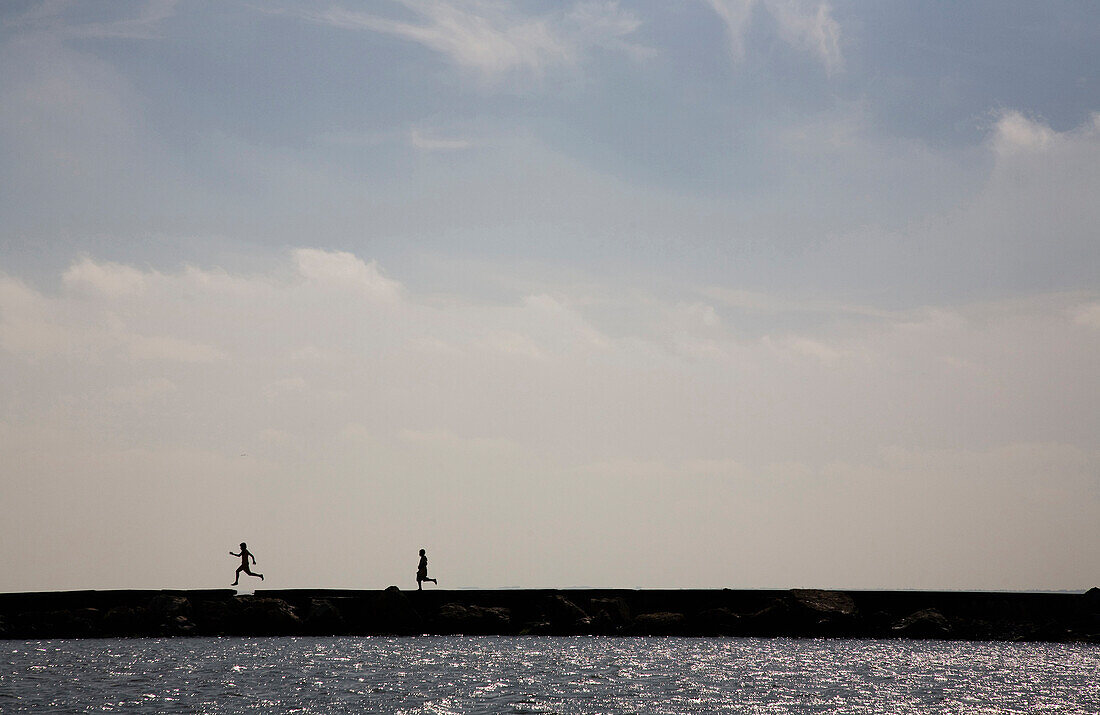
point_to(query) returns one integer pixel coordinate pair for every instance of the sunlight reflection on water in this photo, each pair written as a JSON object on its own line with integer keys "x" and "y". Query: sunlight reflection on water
{"x": 546, "y": 675}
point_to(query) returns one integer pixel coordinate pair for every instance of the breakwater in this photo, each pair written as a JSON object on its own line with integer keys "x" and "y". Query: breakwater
{"x": 1059, "y": 617}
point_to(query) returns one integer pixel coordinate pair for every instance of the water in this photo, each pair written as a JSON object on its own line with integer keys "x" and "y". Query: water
{"x": 545, "y": 675}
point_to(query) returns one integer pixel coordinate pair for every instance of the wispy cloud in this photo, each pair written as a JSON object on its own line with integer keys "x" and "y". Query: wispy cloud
{"x": 494, "y": 39}
{"x": 735, "y": 15}
{"x": 143, "y": 25}
{"x": 805, "y": 25}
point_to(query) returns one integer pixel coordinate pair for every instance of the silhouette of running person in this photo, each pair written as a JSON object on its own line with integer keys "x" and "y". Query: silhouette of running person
{"x": 245, "y": 556}
{"x": 422, "y": 572}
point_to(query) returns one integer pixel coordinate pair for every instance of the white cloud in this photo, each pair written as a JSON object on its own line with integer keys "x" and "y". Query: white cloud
{"x": 735, "y": 16}
{"x": 338, "y": 268}
{"x": 493, "y": 39}
{"x": 107, "y": 278}
{"x": 512, "y": 416}
{"x": 1013, "y": 132}
{"x": 807, "y": 25}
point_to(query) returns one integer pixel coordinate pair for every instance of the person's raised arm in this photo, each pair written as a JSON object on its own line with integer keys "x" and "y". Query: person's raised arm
{"x": 232, "y": 553}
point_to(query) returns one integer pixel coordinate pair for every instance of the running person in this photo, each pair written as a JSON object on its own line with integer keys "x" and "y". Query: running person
{"x": 245, "y": 556}
{"x": 422, "y": 572}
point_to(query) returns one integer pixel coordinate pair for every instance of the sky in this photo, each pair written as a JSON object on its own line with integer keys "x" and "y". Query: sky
{"x": 668, "y": 294}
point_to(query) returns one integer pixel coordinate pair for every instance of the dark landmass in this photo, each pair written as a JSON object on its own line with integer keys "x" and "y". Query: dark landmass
{"x": 1059, "y": 617}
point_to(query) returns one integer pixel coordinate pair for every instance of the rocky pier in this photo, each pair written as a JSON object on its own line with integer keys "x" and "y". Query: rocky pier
{"x": 798, "y": 613}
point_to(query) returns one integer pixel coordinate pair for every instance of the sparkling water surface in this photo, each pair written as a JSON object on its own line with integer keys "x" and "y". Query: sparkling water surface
{"x": 546, "y": 675}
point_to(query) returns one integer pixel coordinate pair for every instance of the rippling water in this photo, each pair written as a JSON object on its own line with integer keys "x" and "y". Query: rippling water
{"x": 546, "y": 675}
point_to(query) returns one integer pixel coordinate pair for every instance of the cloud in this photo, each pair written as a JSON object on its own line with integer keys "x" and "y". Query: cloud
{"x": 809, "y": 26}
{"x": 735, "y": 16}
{"x": 1013, "y": 133}
{"x": 342, "y": 269}
{"x": 355, "y": 396}
{"x": 107, "y": 278}
{"x": 493, "y": 39}
{"x": 146, "y": 24}
{"x": 805, "y": 25}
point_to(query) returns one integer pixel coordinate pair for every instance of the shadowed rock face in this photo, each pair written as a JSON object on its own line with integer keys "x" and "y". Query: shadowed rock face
{"x": 798, "y": 613}
{"x": 456, "y": 618}
{"x": 926, "y": 623}
{"x": 662, "y": 623}
{"x": 323, "y": 618}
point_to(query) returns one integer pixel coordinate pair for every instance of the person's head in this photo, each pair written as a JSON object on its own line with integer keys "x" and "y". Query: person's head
{"x": 422, "y": 552}
{"x": 243, "y": 545}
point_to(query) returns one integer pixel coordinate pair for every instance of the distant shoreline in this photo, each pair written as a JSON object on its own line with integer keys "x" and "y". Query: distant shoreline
{"x": 954, "y": 615}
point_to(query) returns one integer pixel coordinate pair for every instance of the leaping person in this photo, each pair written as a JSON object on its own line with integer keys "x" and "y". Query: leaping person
{"x": 422, "y": 572}
{"x": 245, "y": 556}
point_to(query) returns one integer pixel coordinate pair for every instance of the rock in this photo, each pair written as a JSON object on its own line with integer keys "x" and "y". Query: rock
{"x": 661, "y": 623}
{"x": 926, "y": 623}
{"x": 473, "y": 620}
{"x": 775, "y": 619}
{"x": 128, "y": 621}
{"x": 323, "y": 618}
{"x": 66, "y": 623}
{"x": 267, "y": 617}
{"x": 824, "y": 612}
{"x": 716, "y": 622}
{"x": 1091, "y": 600}
{"x": 830, "y": 603}
{"x": 564, "y": 616}
{"x": 536, "y": 628}
{"x": 218, "y": 618}
{"x": 609, "y": 616}
{"x": 172, "y": 615}
{"x": 615, "y": 609}
{"x": 391, "y": 612}
{"x": 169, "y": 606}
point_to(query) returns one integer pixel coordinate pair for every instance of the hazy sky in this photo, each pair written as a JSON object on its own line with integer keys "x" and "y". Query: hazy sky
{"x": 682, "y": 293}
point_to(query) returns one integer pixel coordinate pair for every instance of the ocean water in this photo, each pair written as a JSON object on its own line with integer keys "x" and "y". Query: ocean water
{"x": 545, "y": 675}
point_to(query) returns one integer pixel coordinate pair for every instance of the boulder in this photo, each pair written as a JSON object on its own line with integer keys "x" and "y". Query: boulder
{"x": 473, "y": 620}
{"x": 391, "y": 612}
{"x": 609, "y": 615}
{"x": 716, "y": 622}
{"x": 824, "y": 612}
{"x": 615, "y": 609}
{"x": 168, "y": 606}
{"x": 66, "y": 623}
{"x": 171, "y": 615}
{"x": 129, "y": 621}
{"x": 1090, "y": 600}
{"x": 323, "y": 618}
{"x": 261, "y": 616}
{"x": 218, "y": 617}
{"x": 564, "y": 616}
{"x": 926, "y": 623}
{"x": 774, "y": 619}
{"x": 661, "y": 623}
{"x": 826, "y": 603}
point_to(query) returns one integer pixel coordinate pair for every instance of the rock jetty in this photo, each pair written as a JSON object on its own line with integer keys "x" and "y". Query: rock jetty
{"x": 800, "y": 613}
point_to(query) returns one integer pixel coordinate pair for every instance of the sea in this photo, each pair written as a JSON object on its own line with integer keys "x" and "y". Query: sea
{"x": 545, "y": 675}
